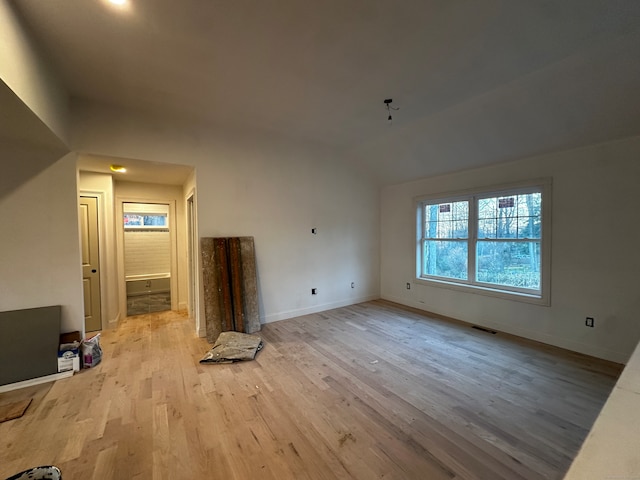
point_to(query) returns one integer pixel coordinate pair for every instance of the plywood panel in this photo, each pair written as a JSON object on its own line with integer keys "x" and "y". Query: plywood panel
{"x": 212, "y": 314}
{"x": 249, "y": 285}
{"x": 223, "y": 278}
{"x": 237, "y": 293}
{"x": 230, "y": 285}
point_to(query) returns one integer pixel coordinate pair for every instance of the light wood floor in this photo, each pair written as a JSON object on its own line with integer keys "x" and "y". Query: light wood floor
{"x": 368, "y": 391}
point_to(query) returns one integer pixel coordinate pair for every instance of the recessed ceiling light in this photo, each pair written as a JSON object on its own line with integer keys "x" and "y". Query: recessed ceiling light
{"x": 123, "y": 6}
{"x": 118, "y": 168}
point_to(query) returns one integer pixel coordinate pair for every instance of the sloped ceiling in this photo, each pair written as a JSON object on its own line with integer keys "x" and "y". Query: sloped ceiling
{"x": 27, "y": 145}
{"x": 477, "y": 82}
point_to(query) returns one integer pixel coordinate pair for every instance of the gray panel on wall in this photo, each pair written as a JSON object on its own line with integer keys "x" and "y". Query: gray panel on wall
{"x": 29, "y": 341}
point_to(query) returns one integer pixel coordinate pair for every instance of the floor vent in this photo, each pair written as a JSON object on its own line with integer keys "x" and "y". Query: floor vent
{"x": 492, "y": 332}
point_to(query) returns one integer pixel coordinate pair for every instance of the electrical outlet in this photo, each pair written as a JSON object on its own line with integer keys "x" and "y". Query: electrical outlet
{"x": 590, "y": 322}
{"x": 314, "y": 230}
{"x": 353, "y": 284}
{"x": 314, "y": 291}
{"x": 408, "y": 286}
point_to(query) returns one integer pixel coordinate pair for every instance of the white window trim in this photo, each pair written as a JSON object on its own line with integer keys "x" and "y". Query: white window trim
{"x": 544, "y": 297}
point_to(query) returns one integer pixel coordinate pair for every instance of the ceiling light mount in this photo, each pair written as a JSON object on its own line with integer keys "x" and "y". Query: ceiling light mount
{"x": 387, "y": 103}
{"x": 117, "y": 168}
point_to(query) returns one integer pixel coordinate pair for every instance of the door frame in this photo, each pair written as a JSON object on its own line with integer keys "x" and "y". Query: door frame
{"x": 194, "y": 269}
{"x": 173, "y": 226}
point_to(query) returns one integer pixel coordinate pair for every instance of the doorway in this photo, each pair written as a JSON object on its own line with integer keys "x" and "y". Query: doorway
{"x": 147, "y": 257}
{"x": 90, "y": 263}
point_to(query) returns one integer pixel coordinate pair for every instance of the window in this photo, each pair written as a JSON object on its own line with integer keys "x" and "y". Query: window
{"x": 142, "y": 220}
{"x": 493, "y": 241}
{"x": 145, "y": 216}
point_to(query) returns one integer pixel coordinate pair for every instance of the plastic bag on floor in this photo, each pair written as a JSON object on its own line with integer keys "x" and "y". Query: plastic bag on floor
{"x": 233, "y": 347}
{"x": 91, "y": 351}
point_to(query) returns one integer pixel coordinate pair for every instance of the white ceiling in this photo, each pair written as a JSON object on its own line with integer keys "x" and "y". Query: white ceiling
{"x": 477, "y": 82}
{"x": 143, "y": 171}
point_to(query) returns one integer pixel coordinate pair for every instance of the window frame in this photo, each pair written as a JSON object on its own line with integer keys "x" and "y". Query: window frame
{"x": 471, "y": 285}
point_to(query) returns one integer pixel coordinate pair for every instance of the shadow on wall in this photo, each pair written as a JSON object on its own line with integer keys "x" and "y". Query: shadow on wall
{"x": 27, "y": 146}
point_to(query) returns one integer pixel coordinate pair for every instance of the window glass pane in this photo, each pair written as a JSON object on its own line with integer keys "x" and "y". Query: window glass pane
{"x": 487, "y": 228}
{"x": 431, "y": 230}
{"x": 155, "y": 220}
{"x": 133, "y": 220}
{"x": 529, "y": 227}
{"x": 487, "y": 208}
{"x": 446, "y": 220}
{"x": 523, "y": 209}
{"x": 460, "y": 210}
{"x": 460, "y": 229}
{"x": 513, "y": 264}
{"x": 530, "y": 215}
{"x": 510, "y": 216}
{"x": 444, "y": 230}
{"x": 506, "y": 217}
{"x": 445, "y": 259}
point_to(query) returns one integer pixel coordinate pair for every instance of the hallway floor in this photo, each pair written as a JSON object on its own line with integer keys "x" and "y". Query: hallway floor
{"x": 152, "y": 303}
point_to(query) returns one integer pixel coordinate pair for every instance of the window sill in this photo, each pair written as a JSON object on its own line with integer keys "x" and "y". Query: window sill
{"x": 542, "y": 300}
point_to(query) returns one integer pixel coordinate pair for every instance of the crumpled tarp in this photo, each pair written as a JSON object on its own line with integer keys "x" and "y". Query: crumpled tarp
{"x": 233, "y": 347}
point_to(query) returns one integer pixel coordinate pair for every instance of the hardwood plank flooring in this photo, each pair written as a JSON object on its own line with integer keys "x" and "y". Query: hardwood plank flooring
{"x": 368, "y": 391}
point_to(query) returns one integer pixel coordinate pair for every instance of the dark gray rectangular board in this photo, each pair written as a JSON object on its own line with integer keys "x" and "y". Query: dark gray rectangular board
{"x": 29, "y": 342}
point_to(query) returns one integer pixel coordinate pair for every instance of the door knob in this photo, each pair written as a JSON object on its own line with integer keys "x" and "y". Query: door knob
{"x": 93, "y": 271}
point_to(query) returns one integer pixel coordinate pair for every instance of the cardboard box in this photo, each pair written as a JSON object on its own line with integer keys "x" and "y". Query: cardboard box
{"x": 69, "y": 352}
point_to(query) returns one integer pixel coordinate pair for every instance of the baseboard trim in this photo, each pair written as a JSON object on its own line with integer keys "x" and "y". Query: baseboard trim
{"x": 113, "y": 323}
{"x": 201, "y": 332}
{"x": 35, "y": 381}
{"x": 275, "y": 317}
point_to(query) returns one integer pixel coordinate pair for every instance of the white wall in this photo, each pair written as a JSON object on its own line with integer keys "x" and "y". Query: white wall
{"x": 595, "y": 255}
{"x": 273, "y": 189}
{"x": 25, "y": 71}
{"x": 39, "y": 241}
{"x": 101, "y": 184}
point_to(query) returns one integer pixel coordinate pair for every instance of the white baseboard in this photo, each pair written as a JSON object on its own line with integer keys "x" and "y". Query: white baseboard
{"x": 317, "y": 308}
{"x": 35, "y": 381}
{"x": 113, "y": 323}
{"x": 201, "y": 332}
